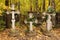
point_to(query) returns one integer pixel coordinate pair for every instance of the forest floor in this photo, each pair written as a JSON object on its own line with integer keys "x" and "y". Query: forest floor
{"x": 37, "y": 35}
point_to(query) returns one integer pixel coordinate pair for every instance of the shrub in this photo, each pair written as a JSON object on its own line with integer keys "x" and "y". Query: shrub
{"x": 2, "y": 23}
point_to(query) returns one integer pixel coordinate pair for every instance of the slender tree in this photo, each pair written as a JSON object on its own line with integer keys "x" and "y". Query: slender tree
{"x": 7, "y": 15}
{"x": 49, "y": 2}
{"x": 36, "y": 5}
{"x": 31, "y": 5}
{"x": 7, "y": 2}
{"x": 53, "y": 3}
{"x": 43, "y": 5}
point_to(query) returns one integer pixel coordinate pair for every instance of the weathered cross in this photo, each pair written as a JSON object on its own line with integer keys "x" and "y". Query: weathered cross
{"x": 48, "y": 21}
{"x": 13, "y": 12}
{"x": 31, "y": 22}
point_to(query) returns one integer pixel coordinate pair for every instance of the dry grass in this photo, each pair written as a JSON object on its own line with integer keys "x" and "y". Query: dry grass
{"x": 55, "y": 35}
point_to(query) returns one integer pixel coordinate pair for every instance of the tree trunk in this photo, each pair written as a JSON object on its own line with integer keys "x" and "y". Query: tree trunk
{"x": 7, "y": 2}
{"x": 7, "y": 15}
{"x": 53, "y": 3}
{"x": 43, "y": 5}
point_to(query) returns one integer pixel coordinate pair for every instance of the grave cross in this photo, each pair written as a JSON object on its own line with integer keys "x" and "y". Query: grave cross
{"x": 13, "y": 12}
{"x": 31, "y": 22}
{"x": 48, "y": 21}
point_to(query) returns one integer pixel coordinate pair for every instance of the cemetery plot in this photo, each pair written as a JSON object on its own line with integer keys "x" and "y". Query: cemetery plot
{"x": 13, "y": 12}
{"x": 53, "y": 36}
{"x": 35, "y": 21}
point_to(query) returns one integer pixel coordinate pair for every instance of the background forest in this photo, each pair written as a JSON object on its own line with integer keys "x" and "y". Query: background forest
{"x": 15, "y": 26}
{"x": 37, "y": 5}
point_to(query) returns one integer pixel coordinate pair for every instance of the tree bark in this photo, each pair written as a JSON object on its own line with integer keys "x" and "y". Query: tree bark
{"x": 7, "y": 15}
{"x": 7, "y": 2}
{"x": 43, "y": 5}
{"x": 53, "y": 3}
